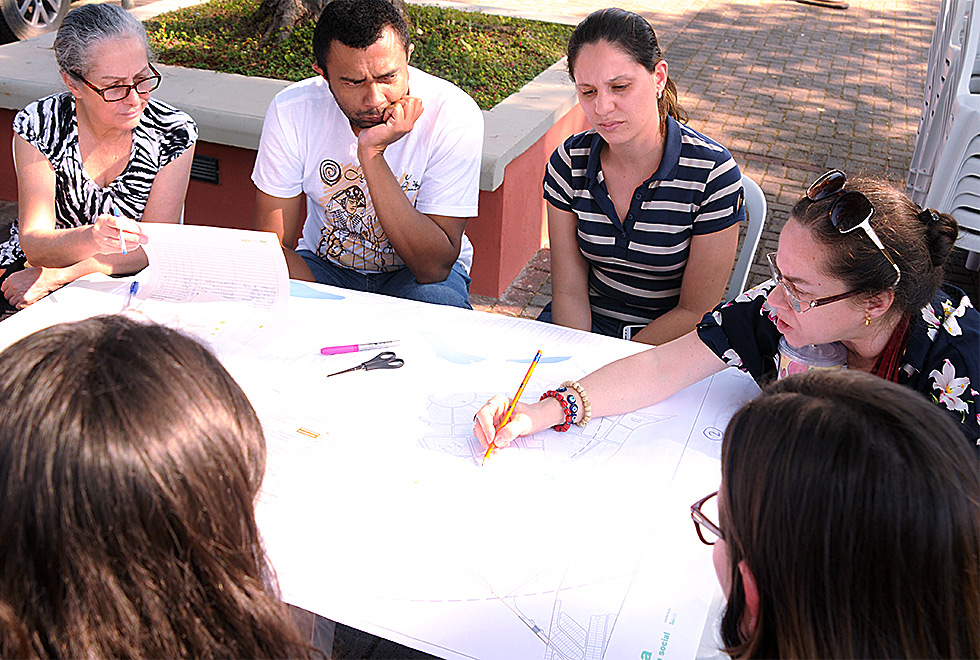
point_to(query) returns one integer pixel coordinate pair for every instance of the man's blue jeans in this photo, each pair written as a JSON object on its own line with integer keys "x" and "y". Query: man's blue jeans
{"x": 453, "y": 291}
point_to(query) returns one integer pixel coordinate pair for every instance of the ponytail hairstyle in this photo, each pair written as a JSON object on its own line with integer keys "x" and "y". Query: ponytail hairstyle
{"x": 129, "y": 465}
{"x": 919, "y": 240}
{"x": 632, "y": 34}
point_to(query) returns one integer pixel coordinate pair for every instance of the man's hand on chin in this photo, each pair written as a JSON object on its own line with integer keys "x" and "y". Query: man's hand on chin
{"x": 399, "y": 119}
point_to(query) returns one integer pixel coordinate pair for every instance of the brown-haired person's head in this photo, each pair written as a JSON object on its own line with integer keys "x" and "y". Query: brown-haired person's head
{"x": 850, "y": 516}
{"x": 855, "y": 258}
{"x": 129, "y": 464}
{"x": 915, "y": 242}
{"x": 630, "y": 34}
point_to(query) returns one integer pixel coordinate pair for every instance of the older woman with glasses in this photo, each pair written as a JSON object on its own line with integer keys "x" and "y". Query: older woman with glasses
{"x": 858, "y": 263}
{"x": 846, "y": 526}
{"x": 94, "y": 160}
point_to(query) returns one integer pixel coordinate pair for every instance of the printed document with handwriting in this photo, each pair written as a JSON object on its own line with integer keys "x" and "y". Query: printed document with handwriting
{"x": 232, "y": 284}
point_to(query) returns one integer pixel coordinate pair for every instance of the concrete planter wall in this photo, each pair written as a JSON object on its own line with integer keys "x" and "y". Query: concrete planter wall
{"x": 520, "y": 134}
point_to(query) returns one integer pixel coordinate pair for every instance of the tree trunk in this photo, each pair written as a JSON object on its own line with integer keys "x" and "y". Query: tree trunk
{"x": 277, "y": 18}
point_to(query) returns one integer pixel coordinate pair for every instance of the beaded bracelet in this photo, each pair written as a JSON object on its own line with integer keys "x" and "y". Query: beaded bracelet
{"x": 586, "y": 406}
{"x": 570, "y": 397}
{"x": 565, "y": 408}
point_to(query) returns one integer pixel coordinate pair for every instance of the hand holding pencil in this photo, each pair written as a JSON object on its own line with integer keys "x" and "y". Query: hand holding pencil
{"x": 488, "y": 424}
{"x": 501, "y": 419}
{"x": 526, "y": 419}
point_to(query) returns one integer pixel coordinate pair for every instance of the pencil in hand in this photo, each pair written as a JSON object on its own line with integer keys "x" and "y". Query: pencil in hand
{"x": 513, "y": 402}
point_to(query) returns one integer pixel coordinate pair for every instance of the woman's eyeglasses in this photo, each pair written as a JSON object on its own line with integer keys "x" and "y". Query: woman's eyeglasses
{"x": 798, "y": 304}
{"x": 115, "y": 93}
{"x": 708, "y": 531}
{"x": 851, "y": 210}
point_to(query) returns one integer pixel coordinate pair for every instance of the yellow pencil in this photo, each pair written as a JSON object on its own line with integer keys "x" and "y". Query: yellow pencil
{"x": 510, "y": 408}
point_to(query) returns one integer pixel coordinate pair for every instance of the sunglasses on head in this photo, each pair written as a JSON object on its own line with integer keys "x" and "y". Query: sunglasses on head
{"x": 851, "y": 210}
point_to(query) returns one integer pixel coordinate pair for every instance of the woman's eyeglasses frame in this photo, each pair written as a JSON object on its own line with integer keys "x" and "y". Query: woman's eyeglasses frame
{"x": 700, "y": 519}
{"x": 798, "y": 304}
{"x": 153, "y": 81}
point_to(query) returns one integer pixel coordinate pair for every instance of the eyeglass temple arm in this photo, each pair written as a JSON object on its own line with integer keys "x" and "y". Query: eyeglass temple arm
{"x": 873, "y": 235}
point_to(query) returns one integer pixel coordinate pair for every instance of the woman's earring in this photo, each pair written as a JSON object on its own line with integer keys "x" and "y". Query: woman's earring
{"x": 867, "y": 320}
{"x": 660, "y": 94}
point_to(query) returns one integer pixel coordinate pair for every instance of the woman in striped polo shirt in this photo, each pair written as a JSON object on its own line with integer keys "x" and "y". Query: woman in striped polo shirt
{"x": 643, "y": 210}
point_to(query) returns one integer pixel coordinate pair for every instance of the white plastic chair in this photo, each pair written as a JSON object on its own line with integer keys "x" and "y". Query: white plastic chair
{"x": 953, "y": 175}
{"x": 755, "y": 209}
{"x": 969, "y": 200}
{"x": 971, "y": 168}
{"x": 952, "y": 61}
{"x": 969, "y": 239}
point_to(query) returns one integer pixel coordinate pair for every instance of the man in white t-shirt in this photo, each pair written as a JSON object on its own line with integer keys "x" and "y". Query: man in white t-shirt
{"x": 378, "y": 161}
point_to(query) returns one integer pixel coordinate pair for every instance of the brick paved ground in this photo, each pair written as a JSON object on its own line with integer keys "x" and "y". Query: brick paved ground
{"x": 791, "y": 89}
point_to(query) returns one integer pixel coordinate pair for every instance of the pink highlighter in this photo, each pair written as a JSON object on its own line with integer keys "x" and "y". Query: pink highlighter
{"x": 354, "y": 348}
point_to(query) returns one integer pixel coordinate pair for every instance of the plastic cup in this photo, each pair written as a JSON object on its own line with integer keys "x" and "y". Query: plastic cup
{"x": 795, "y": 360}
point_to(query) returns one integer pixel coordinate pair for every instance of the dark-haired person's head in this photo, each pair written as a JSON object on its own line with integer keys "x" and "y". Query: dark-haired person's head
{"x": 849, "y": 512}
{"x": 860, "y": 263}
{"x": 362, "y": 49}
{"x": 129, "y": 463}
{"x": 633, "y": 35}
{"x": 357, "y": 24}
{"x": 917, "y": 242}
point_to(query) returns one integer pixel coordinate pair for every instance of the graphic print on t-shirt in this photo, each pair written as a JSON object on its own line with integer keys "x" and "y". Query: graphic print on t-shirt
{"x": 351, "y": 235}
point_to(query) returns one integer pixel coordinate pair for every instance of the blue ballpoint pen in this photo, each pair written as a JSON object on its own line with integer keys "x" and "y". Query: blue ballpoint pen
{"x": 122, "y": 242}
{"x": 133, "y": 288}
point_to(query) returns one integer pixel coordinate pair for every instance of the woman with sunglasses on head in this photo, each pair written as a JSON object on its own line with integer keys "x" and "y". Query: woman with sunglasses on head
{"x": 643, "y": 211}
{"x": 93, "y": 161}
{"x": 846, "y": 525}
{"x": 858, "y": 263}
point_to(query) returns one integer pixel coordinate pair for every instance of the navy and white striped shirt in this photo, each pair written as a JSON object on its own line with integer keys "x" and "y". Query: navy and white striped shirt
{"x": 636, "y": 266}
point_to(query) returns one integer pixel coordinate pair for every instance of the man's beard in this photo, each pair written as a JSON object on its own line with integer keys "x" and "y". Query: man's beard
{"x": 363, "y": 122}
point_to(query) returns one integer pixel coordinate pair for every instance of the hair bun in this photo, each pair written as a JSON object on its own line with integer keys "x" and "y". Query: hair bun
{"x": 941, "y": 232}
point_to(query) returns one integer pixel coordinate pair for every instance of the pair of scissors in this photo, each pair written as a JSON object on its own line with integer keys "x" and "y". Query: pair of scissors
{"x": 386, "y": 360}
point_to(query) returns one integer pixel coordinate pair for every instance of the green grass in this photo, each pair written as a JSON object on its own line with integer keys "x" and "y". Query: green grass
{"x": 490, "y": 57}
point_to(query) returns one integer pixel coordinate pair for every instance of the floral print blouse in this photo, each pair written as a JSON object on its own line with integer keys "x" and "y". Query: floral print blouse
{"x": 941, "y": 359}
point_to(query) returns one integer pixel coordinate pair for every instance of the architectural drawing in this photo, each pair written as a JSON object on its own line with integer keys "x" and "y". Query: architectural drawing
{"x": 572, "y": 606}
{"x": 565, "y": 546}
{"x": 450, "y": 419}
{"x": 570, "y": 640}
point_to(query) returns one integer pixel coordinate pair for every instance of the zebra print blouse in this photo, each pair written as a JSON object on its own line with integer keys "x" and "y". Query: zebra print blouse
{"x": 49, "y": 124}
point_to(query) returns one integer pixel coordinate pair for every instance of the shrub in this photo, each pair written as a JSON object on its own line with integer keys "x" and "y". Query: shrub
{"x": 490, "y": 57}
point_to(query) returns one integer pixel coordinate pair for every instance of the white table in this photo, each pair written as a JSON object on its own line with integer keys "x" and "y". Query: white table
{"x": 376, "y": 513}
